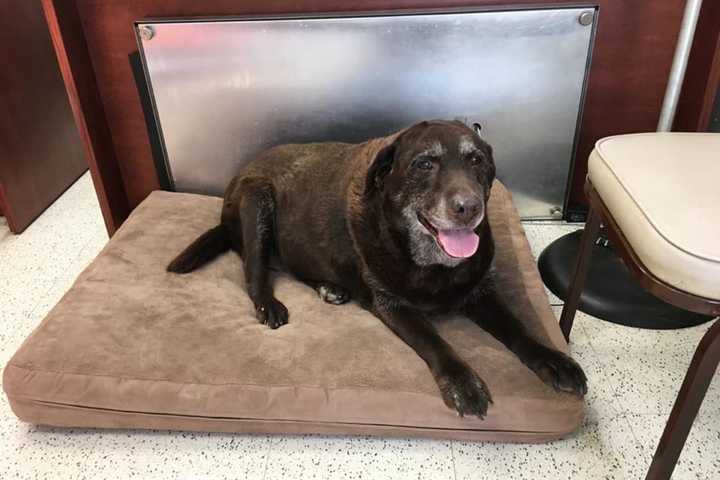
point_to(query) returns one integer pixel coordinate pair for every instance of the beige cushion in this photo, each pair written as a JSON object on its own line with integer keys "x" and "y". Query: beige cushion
{"x": 663, "y": 190}
{"x": 131, "y": 345}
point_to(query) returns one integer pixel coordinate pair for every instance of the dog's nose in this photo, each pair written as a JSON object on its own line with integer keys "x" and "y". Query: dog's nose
{"x": 465, "y": 206}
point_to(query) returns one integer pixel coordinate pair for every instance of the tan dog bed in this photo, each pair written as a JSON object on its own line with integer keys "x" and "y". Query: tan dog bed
{"x": 131, "y": 346}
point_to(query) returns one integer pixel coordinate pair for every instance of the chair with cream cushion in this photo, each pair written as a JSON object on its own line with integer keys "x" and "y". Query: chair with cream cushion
{"x": 658, "y": 194}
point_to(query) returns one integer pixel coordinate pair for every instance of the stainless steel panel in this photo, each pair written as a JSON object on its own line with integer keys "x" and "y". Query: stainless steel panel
{"x": 225, "y": 90}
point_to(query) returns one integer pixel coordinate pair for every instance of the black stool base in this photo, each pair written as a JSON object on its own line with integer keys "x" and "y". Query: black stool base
{"x": 610, "y": 292}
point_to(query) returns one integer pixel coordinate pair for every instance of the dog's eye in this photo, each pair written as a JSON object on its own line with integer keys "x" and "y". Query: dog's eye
{"x": 476, "y": 158}
{"x": 424, "y": 164}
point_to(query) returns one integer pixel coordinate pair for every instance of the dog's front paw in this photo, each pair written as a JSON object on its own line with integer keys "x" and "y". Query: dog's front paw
{"x": 558, "y": 370}
{"x": 464, "y": 391}
{"x": 273, "y": 313}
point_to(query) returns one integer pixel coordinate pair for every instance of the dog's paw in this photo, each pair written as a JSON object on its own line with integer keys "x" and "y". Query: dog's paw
{"x": 558, "y": 370}
{"x": 464, "y": 391}
{"x": 273, "y": 313}
{"x": 333, "y": 294}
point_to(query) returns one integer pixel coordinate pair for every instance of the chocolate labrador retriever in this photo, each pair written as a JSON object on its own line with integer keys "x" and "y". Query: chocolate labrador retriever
{"x": 397, "y": 223}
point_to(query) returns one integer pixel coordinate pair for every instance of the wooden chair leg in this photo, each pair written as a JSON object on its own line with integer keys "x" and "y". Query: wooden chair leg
{"x": 592, "y": 225}
{"x": 698, "y": 378}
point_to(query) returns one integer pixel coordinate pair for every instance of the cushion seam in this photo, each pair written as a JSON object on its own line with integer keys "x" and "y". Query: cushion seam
{"x": 265, "y": 420}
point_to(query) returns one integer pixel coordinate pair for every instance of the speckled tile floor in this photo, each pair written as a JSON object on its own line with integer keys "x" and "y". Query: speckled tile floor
{"x": 633, "y": 375}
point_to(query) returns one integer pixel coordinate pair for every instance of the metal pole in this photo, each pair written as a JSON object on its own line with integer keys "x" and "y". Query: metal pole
{"x": 680, "y": 60}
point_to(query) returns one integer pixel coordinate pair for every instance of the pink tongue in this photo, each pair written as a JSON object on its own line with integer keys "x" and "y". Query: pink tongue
{"x": 458, "y": 243}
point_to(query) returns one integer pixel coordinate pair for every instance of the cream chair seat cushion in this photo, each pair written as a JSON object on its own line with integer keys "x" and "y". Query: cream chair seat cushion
{"x": 663, "y": 190}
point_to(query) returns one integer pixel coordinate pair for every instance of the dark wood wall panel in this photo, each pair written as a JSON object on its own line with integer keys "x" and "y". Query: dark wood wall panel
{"x": 631, "y": 61}
{"x": 40, "y": 151}
{"x": 702, "y": 78}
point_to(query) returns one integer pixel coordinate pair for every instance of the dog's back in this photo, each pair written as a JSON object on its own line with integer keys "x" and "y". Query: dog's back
{"x": 310, "y": 183}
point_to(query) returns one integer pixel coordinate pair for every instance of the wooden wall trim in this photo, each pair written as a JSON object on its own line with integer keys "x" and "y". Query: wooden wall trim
{"x": 76, "y": 69}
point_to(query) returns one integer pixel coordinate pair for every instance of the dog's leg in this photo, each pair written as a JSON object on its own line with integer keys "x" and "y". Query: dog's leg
{"x": 552, "y": 366}
{"x": 332, "y": 294}
{"x": 254, "y": 238}
{"x": 461, "y": 388}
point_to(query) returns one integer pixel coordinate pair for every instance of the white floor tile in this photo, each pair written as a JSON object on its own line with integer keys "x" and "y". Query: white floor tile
{"x": 41, "y": 453}
{"x": 320, "y": 457}
{"x": 597, "y": 451}
{"x": 542, "y": 234}
{"x": 13, "y": 324}
{"x": 699, "y": 459}
{"x": 165, "y": 455}
{"x": 50, "y": 246}
{"x": 646, "y": 367}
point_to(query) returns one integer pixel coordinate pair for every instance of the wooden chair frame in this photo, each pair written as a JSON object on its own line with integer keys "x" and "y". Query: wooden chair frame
{"x": 707, "y": 355}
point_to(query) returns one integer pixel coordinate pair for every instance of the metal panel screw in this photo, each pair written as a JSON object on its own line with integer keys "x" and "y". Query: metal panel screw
{"x": 556, "y": 212}
{"x": 586, "y": 18}
{"x": 146, "y": 32}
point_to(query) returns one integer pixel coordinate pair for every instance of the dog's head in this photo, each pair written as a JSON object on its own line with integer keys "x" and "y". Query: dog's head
{"x": 434, "y": 181}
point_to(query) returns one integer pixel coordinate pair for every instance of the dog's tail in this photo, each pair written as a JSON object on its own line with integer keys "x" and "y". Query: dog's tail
{"x": 206, "y": 247}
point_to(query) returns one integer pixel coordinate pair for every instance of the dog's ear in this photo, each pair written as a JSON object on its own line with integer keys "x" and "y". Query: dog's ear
{"x": 488, "y": 167}
{"x": 380, "y": 167}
